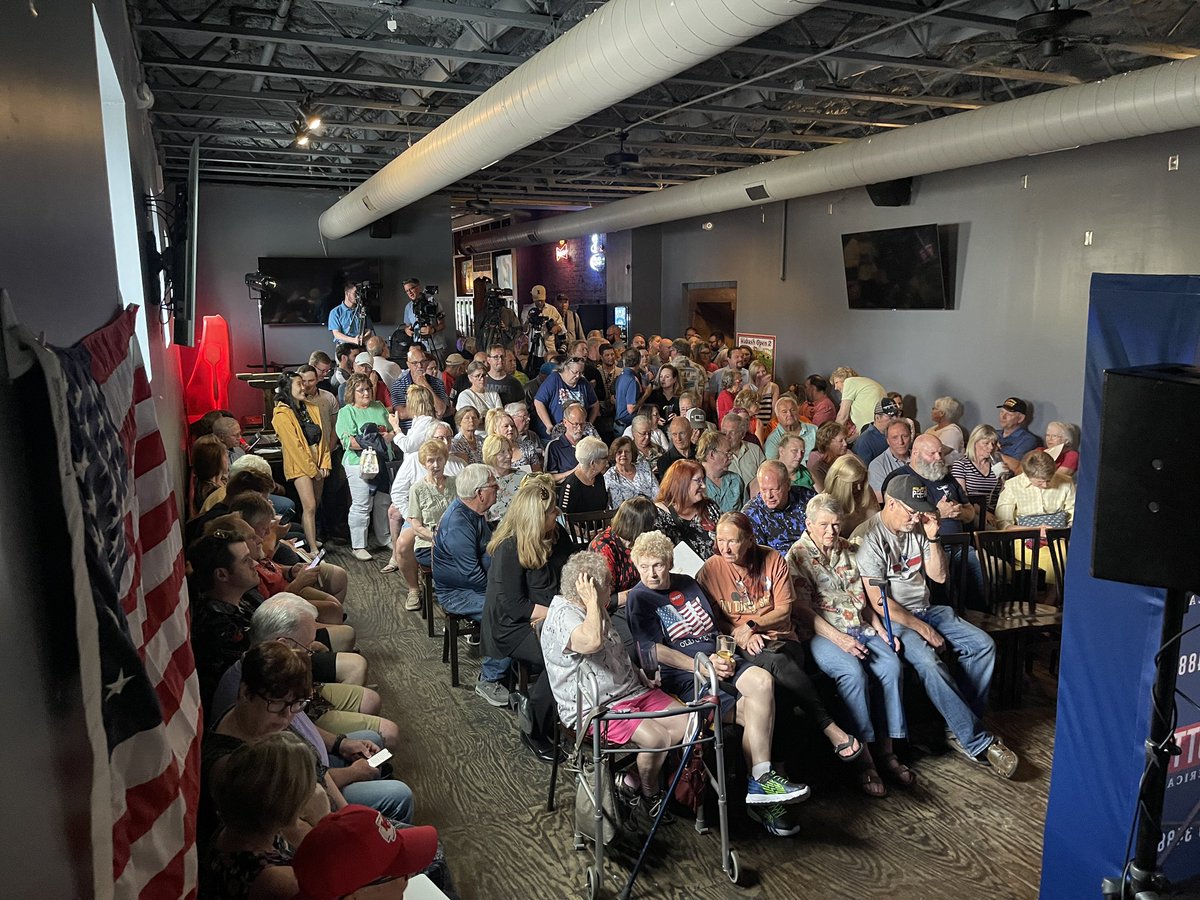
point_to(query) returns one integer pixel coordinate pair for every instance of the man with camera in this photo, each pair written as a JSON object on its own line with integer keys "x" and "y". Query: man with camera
{"x": 543, "y": 322}
{"x": 348, "y": 321}
{"x": 423, "y": 316}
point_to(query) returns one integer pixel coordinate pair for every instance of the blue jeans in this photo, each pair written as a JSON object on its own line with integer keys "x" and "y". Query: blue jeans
{"x": 961, "y": 701}
{"x": 392, "y": 798}
{"x": 468, "y": 603}
{"x": 871, "y": 689}
{"x": 284, "y": 506}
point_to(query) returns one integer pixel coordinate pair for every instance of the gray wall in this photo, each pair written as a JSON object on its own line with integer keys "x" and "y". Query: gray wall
{"x": 238, "y": 224}
{"x": 57, "y": 262}
{"x": 1022, "y": 272}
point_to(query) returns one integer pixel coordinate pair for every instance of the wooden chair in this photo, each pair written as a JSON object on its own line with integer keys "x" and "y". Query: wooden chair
{"x": 456, "y": 626}
{"x": 1009, "y": 560}
{"x": 957, "y": 547}
{"x": 584, "y": 526}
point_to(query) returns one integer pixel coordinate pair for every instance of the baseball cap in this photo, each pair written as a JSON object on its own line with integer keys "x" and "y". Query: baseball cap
{"x": 1015, "y": 404}
{"x": 911, "y": 491}
{"x": 356, "y": 846}
{"x": 538, "y": 292}
{"x": 364, "y": 358}
{"x": 546, "y": 368}
{"x": 455, "y": 359}
{"x": 886, "y": 407}
{"x": 696, "y": 417}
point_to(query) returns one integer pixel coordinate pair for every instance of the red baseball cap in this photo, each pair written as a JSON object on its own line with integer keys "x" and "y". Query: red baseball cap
{"x": 357, "y": 846}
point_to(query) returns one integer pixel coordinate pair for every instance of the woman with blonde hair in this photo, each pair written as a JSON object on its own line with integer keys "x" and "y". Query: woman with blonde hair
{"x": 528, "y": 551}
{"x": 498, "y": 454}
{"x": 305, "y": 446}
{"x": 976, "y": 471}
{"x": 427, "y": 500}
{"x": 846, "y": 482}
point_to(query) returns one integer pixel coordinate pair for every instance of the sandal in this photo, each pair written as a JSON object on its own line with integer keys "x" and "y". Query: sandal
{"x": 389, "y": 568}
{"x": 851, "y": 741}
{"x": 872, "y": 784}
{"x": 897, "y": 771}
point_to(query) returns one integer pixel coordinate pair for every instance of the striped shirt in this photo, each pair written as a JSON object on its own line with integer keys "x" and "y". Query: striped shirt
{"x": 978, "y": 484}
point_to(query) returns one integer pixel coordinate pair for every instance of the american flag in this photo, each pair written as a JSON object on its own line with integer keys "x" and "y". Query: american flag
{"x": 684, "y": 617}
{"x": 143, "y": 700}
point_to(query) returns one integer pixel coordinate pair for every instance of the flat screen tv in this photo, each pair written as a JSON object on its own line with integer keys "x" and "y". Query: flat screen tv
{"x": 896, "y": 268}
{"x": 307, "y": 288}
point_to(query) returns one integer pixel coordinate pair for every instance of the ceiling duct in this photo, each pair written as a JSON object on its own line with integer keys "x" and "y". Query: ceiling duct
{"x": 624, "y": 47}
{"x": 1149, "y": 101}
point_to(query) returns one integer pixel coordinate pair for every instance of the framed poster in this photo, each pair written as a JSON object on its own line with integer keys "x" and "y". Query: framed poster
{"x": 763, "y": 346}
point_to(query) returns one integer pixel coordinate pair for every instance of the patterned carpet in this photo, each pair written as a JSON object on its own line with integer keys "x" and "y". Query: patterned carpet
{"x": 959, "y": 832}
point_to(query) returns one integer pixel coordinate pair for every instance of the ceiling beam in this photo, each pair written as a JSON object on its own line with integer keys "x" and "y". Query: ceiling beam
{"x": 333, "y": 42}
{"x": 349, "y": 101}
{"x": 895, "y": 9}
{"x": 231, "y": 68}
{"x": 435, "y": 9}
{"x": 255, "y": 116}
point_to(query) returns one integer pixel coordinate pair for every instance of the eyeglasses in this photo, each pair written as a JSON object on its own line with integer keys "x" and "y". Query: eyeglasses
{"x": 278, "y": 706}
{"x": 578, "y": 359}
{"x": 495, "y": 356}
{"x": 297, "y": 646}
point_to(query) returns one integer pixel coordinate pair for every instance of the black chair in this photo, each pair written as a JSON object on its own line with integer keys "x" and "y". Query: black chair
{"x": 582, "y": 527}
{"x": 456, "y": 626}
{"x": 425, "y": 583}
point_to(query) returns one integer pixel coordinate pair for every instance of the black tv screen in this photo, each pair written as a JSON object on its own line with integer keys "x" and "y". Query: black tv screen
{"x": 307, "y": 288}
{"x": 896, "y": 268}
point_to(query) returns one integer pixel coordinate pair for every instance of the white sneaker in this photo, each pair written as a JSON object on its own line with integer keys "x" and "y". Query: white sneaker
{"x": 413, "y": 603}
{"x": 363, "y": 554}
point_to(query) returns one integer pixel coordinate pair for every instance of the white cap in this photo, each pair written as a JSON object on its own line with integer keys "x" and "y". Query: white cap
{"x": 538, "y": 292}
{"x": 364, "y": 358}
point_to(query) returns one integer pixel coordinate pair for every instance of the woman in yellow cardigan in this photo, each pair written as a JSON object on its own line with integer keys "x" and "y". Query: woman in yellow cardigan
{"x": 297, "y": 422}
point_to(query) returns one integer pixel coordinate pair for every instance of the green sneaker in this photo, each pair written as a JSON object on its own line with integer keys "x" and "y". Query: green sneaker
{"x": 774, "y": 819}
{"x": 774, "y": 788}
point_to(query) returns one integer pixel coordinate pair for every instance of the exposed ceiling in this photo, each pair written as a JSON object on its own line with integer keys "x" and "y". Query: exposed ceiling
{"x": 383, "y": 73}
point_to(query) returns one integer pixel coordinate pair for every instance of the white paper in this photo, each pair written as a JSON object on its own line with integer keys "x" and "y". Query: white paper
{"x": 686, "y": 560}
{"x": 379, "y": 758}
{"x": 421, "y": 888}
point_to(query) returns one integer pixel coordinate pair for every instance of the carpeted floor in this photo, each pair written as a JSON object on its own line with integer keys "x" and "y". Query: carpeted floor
{"x": 959, "y": 832}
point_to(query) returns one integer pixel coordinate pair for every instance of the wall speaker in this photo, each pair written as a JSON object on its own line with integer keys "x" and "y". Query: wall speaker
{"x": 891, "y": 193}
{"x": 382, "y": 228}
{"x": 1147, "y": 492}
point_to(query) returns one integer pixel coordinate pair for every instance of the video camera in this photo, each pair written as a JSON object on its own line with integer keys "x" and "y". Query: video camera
{"x": 368, "y": 293}
{"x": 495, "y": 298}
{"x": 261, "y": 282}
{"x": 425, "y": 307}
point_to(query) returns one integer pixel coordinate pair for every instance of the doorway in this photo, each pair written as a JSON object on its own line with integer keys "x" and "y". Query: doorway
{"x": 712, "y": 306}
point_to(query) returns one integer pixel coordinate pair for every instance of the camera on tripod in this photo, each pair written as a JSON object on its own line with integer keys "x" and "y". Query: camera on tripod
{"x": 425, "y": 307}
{"x": 368, "y": 293}
{"x": 495, "y": 298}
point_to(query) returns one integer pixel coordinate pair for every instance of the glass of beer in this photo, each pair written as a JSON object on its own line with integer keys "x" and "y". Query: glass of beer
{"x": 726, "y": 647}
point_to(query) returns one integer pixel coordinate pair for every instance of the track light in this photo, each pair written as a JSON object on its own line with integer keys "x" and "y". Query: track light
{"x": 310, "y": 115}
{"x": 300, "y": 130}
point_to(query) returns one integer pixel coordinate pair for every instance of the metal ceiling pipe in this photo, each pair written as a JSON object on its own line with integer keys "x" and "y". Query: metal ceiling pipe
{"x": 1150, "y": 101}
{"x": 624, "y": 47}
{"x": 268, "y": 52}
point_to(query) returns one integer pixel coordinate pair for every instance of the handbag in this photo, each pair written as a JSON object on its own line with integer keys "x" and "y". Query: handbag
{"x": 368, "y": 462}
{"x": 1044, "y": 520}
{"x": 586, "y": 801}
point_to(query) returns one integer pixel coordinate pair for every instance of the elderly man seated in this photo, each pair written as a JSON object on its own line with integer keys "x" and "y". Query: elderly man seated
{"x": 1040, "y": 491}
{"x": 787, "y": 414}
{"x": 683, "y": 445}
{"x": 577, "y": 628}
{"x": 744, "y": 457}
{"x": 674, "y": 614}
{"x": 1015, "y": 439}
{"x": 560, "y": 458}
{"x": 461, "y": 560}
{"x": 337, "y": 708}
{"x": 778, "y": 511}
{"x": 901, "y": 545}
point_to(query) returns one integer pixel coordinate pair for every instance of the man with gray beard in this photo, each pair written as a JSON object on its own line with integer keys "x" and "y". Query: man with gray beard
{"x": 956, "y": 513}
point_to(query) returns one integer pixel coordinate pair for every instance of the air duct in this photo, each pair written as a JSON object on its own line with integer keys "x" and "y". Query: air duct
{"x": 624, "y": 47}
{"x": 1150, "y": 101}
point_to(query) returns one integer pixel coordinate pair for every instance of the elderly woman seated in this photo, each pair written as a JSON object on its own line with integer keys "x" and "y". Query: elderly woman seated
{"x": 629, "y": 473}
{"x": 498, "y": 453}
{"x": 1062, "y": 443}
{"x": 583, "y": 490}
{"x": 1042, "y": 495}
{"x": 831, "y": 445}
{"x": 945, "y": 414}
{"x": 577, "y": 628}
{"x": 674, "y": 614}
{"x": 723, "y": 486}
{"x": 849, "y": 643}
{"x": 752, "y": 594}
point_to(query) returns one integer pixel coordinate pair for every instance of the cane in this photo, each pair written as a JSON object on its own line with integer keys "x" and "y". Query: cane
{"x": 881, "y": 583}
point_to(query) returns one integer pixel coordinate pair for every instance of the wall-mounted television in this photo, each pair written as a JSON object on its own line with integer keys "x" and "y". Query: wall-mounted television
{"x": 307, "y": 288}
{"x": 896, "y": 268}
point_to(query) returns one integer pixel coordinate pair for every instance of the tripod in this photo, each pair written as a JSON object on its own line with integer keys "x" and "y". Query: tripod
{"x": 427, "y": 341}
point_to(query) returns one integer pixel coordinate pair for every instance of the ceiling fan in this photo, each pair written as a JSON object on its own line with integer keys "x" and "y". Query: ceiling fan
{"x": 618, "y": 164}
{"x": 1055, "y": 29}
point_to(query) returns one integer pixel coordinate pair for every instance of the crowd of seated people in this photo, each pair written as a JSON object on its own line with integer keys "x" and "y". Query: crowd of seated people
{"x": 782, "y": 507}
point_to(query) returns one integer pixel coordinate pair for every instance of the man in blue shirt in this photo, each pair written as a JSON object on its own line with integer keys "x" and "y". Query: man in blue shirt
{"x": 873, "y": 439}
{"x": 416, "y": 374}
{"x": 349, "y": 324}
{"x": 778, "y": 512}
{"x": 427, "y": 337}
{"x": 561, "y": 388}
{"x": 627, "y": 389}
{"x": 1015, "y": 439}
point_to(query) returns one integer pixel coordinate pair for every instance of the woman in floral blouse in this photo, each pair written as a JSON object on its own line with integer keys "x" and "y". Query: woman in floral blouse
{"x": 849, "y": 643}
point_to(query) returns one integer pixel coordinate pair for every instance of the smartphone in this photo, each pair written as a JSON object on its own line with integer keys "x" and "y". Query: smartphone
{"x": 316, "y": 560}
{"x": 379, "y": 758}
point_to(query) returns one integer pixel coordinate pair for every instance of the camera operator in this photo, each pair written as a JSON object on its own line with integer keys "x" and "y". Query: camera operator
{"x": 423, "y": 316}
{"x": 349, "y": 323}
{"x": 497, "y": 324}
{"x": 540, "y": 318}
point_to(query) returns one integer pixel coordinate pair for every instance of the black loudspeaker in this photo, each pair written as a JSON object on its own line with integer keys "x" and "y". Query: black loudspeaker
{"x": 382, "y": 228}
{"x": 891, "y": 193}
{"x": 1147, "y": 490}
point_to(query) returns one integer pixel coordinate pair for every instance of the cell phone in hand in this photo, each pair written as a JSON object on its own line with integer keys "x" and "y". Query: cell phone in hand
{"x": 379, "y": 758}
{"x": 316, "y": 560}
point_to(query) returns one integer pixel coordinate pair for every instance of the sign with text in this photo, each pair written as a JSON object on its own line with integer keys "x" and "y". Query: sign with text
{"x": 1179, "y": 849}
{"x": 763, "y": 346}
